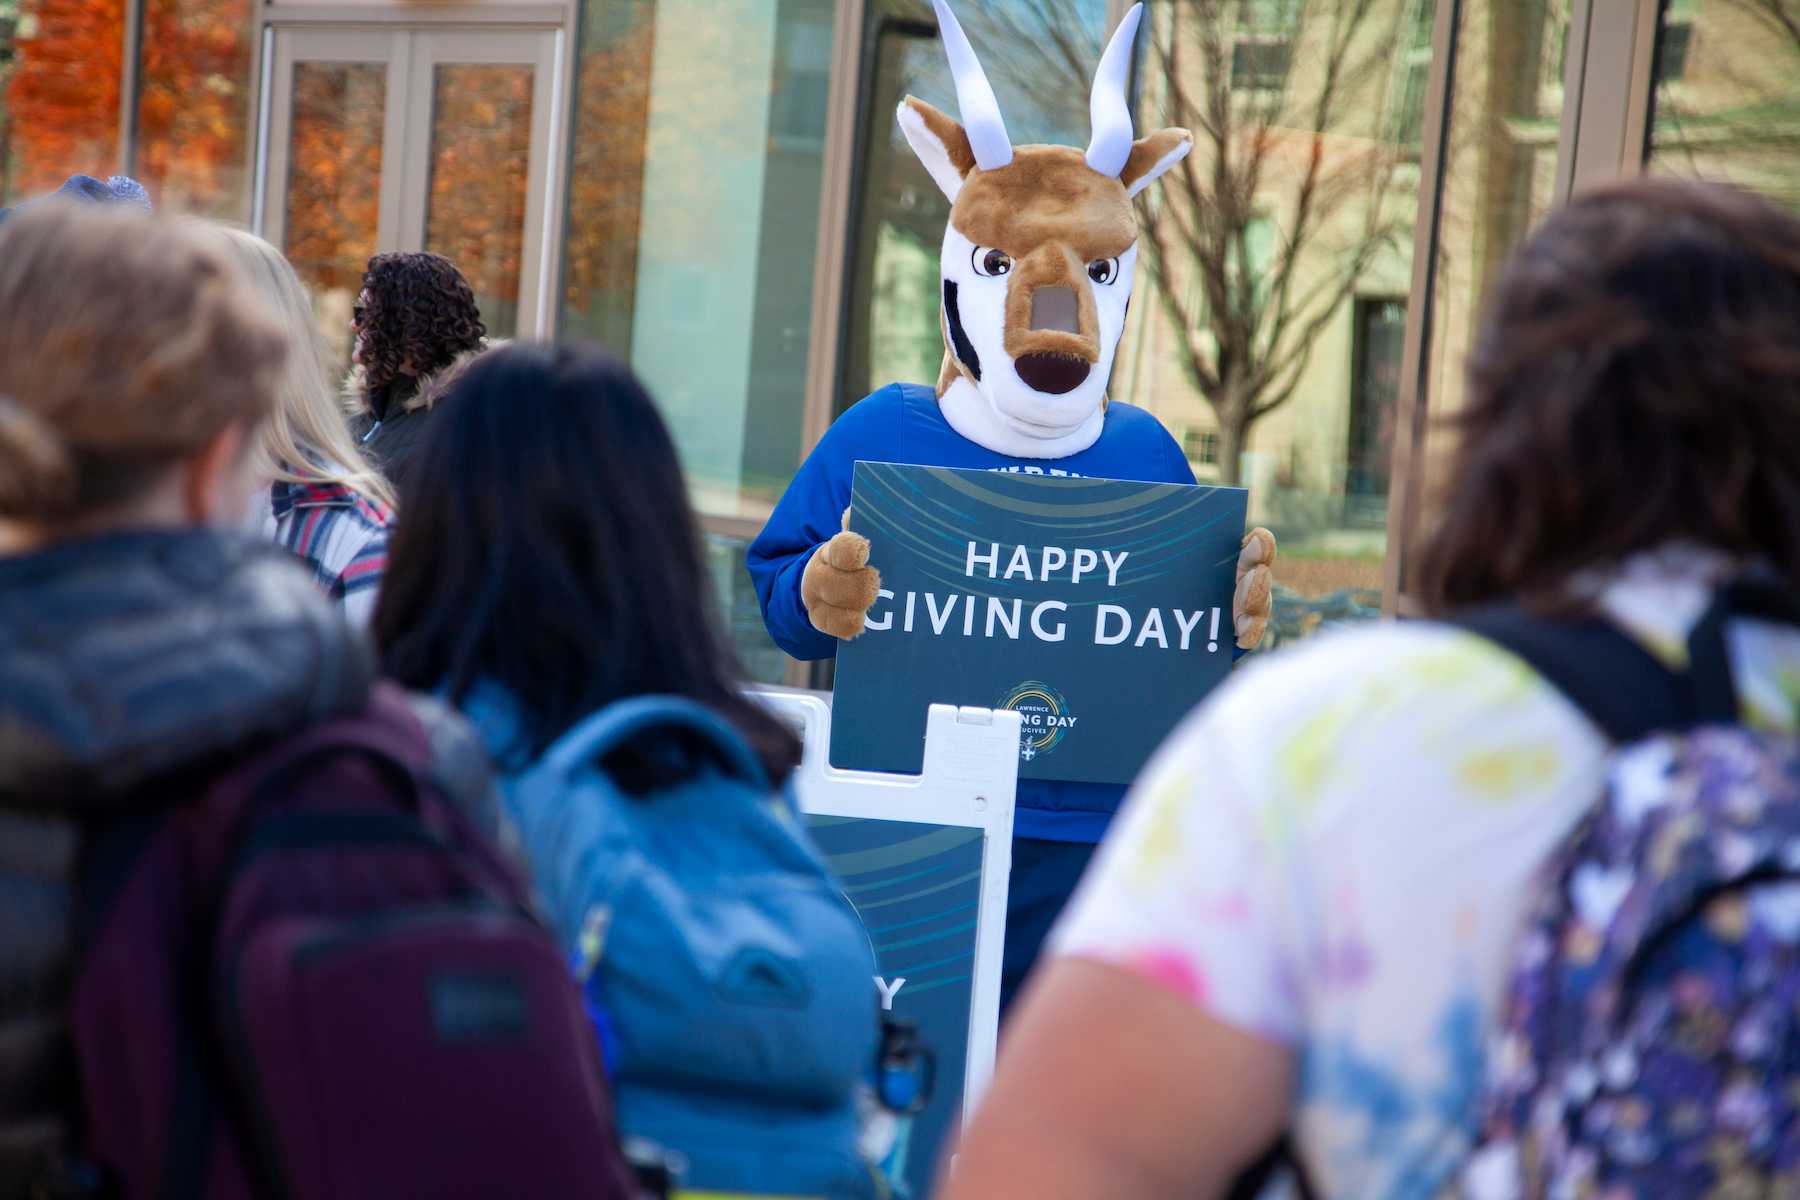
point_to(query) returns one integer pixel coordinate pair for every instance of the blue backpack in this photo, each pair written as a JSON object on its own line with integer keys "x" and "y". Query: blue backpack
{"x": 1649, "y": 1044}
{"x": 729, "y": 978}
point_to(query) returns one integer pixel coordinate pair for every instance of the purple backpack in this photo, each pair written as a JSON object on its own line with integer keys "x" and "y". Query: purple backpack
{"x": 317, "y": 980}
{"x": 1649, "y": 1044}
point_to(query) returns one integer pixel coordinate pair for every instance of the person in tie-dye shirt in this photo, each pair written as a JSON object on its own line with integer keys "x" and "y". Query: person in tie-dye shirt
{"x": 1304, "y": 918}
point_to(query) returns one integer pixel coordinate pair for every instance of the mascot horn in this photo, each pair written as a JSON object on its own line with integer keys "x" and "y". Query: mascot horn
{"x": 1037, "y": 266}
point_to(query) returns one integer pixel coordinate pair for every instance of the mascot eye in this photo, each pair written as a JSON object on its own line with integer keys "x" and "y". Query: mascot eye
{"x": 991, "y": 262}
{"x": 1103, "y": 270}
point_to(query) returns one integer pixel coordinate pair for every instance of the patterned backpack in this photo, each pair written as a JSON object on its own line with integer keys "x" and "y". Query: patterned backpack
{"x": 1649, "y": 1044}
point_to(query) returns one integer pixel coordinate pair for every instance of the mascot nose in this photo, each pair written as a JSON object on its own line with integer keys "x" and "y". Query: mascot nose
{"x": 1052, "y": 374}
{"x": 1055, "y": 308}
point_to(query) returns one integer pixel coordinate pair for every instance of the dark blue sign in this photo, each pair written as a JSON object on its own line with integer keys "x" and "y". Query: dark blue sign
{"x": 917, "y": 888}
{"x": 1099, "y": 609}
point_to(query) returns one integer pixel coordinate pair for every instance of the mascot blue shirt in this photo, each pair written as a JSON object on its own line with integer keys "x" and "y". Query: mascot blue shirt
{"x": 903, "y": 423}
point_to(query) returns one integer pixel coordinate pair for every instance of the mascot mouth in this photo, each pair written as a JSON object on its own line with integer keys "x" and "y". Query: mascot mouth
{"x": 1052, "y": 374}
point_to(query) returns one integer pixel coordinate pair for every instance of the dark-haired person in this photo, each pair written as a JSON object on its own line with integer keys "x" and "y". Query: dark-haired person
{"x": 549, "y": 566}
{"x": 416, "y": 326}
{"x": 1305, "y": 919}
{"x": 549, "y": 558}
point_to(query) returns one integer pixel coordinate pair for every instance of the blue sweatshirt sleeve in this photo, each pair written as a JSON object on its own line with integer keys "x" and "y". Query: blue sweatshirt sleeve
{"x": 808, "y": 514}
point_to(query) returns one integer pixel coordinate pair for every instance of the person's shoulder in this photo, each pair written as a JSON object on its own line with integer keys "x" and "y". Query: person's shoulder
{"x": 459, "y": 765}
{"x": 1356, "y": 702}
{"x": 881, "y": 408}
{"x": 870, "y": 427}
{"x": 1352, "y": 663}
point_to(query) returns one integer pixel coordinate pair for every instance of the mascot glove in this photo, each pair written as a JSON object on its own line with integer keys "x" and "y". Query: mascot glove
{"x": 1253, "y": 600}
{"x": 838, "y": 585}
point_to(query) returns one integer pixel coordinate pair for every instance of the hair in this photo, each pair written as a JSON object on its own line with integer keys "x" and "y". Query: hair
{"x": 421, "y": 316}
{"x": 1635, "y": 383}
{"x": 549, "y": 548}
{"x": 305, "y": 439}
{"x": 126, "y": 345}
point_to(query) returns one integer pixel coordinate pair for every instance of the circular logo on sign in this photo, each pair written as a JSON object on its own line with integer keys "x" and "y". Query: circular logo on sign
{"x": 1043, "y": 715}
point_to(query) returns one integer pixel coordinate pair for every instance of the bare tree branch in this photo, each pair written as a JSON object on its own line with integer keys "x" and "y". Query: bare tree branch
{"x": 1302, "y": 156}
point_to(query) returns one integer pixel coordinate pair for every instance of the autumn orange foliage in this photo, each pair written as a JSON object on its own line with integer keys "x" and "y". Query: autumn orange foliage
{"x": 63, "y": 98}
{"x": 606, "y": 179}
{"x": 334, "y": 186}
{"x": 480, "y": 155}
{"x": 193, "y": 110}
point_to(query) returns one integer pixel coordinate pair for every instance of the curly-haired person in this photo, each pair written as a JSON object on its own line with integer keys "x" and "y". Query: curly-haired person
{"x": 416, "y": 326}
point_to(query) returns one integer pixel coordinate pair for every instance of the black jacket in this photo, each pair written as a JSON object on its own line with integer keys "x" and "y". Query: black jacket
{"x": 126, "y": 660}
{"x": 391, "y": 424}
{"x": 392, "y": 442}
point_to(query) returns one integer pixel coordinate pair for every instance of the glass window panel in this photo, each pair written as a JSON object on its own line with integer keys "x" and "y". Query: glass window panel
{"x": 334, "y": 186}
{"x": 1499, "y": 182}
{"x": 1727, "y": 100}
{"x": 697, "y": 158}
{"x": 60, "y": 66}
{"x": 693, "y": 222}
{"x": 762, "y": 660}
{"x": 193, "y": 107}
{"x": 480, "y": 154}
{"x": 1274, "y": 304}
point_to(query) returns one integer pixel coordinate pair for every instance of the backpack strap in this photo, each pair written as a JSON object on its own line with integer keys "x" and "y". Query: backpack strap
{"x": 1600, "y": 669}
{"x": 1620, "y": 685}
{"x": 1758, "y": 595}
{"x": 604, "y": 731}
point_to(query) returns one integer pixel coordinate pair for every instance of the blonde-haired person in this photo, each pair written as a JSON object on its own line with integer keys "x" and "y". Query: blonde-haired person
{"x": 166, "y": 681}
{"x": 323, "y": 500}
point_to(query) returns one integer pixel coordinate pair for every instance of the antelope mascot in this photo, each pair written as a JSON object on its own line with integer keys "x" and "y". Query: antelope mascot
{"x": 1037, "y": 269}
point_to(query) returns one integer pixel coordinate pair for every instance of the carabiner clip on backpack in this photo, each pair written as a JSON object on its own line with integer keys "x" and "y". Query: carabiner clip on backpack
{"x": 905, "y": 1068}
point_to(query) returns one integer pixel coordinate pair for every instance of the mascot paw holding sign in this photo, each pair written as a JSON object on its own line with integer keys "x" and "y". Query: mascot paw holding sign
{"x": 1253, "y": 601}
{"x": 1035, "y": 277}
{"x": 838, "y": 586}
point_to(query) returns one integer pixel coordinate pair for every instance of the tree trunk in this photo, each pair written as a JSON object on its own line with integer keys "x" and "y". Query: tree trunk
{"x": 1233, "y": 433}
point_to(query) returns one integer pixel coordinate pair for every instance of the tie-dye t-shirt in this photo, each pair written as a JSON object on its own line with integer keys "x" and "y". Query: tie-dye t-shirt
{"x": 1337, "y": 850}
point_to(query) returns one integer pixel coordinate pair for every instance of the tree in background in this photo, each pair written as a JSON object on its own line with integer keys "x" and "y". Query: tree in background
{"x": 334, "y": 186}
{"x": 1728, "y": 94}
{"x": 62, "y": 94}
{"x": 1257, "y": 240}
{"x": 606, "y": 172}
{"x": 193, "y": 105}
{"x": 60, "y": 101}
{"x": 480, "y": 157}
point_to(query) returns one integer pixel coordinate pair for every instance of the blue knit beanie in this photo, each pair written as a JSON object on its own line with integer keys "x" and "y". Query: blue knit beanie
{"x": 119, "y": 189}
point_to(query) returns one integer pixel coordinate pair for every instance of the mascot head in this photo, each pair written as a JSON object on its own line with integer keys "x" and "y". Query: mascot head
{"x": 1039, "y": 255}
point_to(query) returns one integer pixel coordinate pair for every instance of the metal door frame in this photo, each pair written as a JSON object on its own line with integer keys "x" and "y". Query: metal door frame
{"x": 409, "y": 42}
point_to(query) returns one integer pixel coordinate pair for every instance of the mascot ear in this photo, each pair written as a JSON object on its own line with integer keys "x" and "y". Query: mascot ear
{"x": 1153, "y": 154}
{"x": 939, "y": 142}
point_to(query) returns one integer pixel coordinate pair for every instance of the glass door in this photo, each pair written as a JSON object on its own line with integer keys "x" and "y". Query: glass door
{"x": 330, "y": 197}
{"x": 400, "y": 139}
{"x": 477, "y": 155}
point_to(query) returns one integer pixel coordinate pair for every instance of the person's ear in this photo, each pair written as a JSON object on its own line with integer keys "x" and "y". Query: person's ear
{"x": 216, "y": 479}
